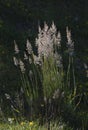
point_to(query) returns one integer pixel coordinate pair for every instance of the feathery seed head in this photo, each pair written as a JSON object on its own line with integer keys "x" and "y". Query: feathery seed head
{"x": 58, "y": 39}
{"x": 7, "y": 96}
{"x": 45, "y": 27}
{"x": 70, "y": 43}
{"x": 53, "y": 28}
{"x": 30, "y": 60}
{"x": 68, "y": 35}
{"x": 29, "y": 47}
{"x": 25, "y": 56}
{"x": 22, "y": 67}
{"x": 15, "y": 61}
{"x": 16, "y": 47}
{"x": 39, "y": 29}
{"x": 44, "y": 42}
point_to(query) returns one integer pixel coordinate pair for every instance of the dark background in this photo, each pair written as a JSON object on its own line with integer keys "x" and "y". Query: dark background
{"x": 19, "y": 20}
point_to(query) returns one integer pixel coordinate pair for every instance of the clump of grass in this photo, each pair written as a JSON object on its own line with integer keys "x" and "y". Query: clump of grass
{"x": 41, "y": 74}
{"x": 33, "y": 126}
{"x": 49, "y": 90}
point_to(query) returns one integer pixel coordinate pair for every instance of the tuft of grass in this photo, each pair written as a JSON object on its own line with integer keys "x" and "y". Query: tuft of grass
{"x": 34, "y": 126}
{"x": 45, "y": 82}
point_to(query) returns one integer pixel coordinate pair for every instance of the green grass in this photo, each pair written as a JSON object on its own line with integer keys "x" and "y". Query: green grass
{"x": 32, "y": 126}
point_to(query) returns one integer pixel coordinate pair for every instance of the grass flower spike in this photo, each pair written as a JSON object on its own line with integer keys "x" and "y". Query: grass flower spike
{"x": 16, "y": 47}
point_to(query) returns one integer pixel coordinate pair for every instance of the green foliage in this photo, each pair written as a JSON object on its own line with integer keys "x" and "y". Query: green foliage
{"x": 52, "y": 77}
{"x": 33, "y": 126}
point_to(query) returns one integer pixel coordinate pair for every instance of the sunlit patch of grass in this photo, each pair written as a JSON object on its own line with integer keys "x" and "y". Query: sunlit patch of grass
{"x": 21, "y": 126}
{"x": 33, "y": 126}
